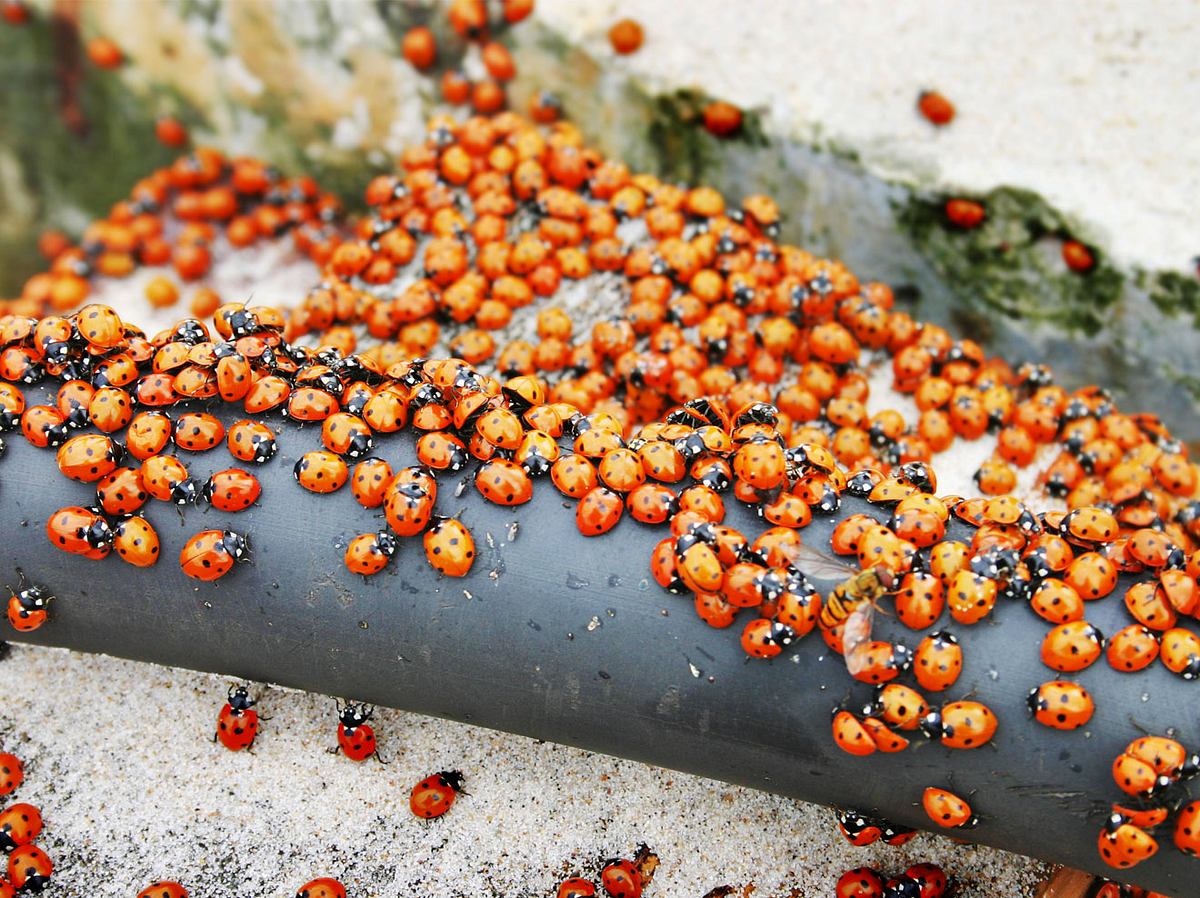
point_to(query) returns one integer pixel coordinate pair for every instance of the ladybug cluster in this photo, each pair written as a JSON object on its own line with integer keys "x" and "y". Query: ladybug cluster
{"x": 1151, "y": 772}
{"x": 918, "y": 881}
{"x": 730, "y": 367}
{"x": 28, "y": 867}
{"x": 619, "y": 877}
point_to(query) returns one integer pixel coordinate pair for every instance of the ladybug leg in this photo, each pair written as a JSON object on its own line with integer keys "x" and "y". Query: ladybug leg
{"x": 334, "y": 750}
{"x": 379, "y": 758}
{"x": 214, "y": 737}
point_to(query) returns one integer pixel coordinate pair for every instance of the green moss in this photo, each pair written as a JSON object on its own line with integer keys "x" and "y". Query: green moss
{"x": 1010, "y": 264}
{"x": 1175, "y": 294}
{"x": 684, "y": 150}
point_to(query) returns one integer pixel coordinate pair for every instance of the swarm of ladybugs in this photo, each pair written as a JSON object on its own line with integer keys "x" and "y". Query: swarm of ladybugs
{"x": 733, "y": 368}
{"x": 28, "y": 868}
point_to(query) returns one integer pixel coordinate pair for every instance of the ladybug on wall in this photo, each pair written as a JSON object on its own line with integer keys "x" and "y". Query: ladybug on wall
{"x": 237, "y": 721}
{"x": 356, "y": 736}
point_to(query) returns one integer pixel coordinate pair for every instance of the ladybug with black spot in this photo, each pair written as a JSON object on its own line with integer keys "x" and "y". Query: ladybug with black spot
{"x": 237, "y": 721}
{"x": 28, "y": 608}
{"x": 356, "y": 736}
{"x": 369, "y": 553}
{"x": 211, "y": 554}
{"x": 433, "y": 796}
{"x": 620, "y": 878}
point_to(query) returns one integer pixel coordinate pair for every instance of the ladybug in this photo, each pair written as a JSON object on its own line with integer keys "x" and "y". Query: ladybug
{"x": 920, "y": 600}
{"x": 1123, "y": 845}
{"x": 12, "y": 773}
{"x": 859, "y": 829}
{"x": 163, "y": 889}
{"x": 408, "y": 504}
{"x": 347, "y": 435}
{"x": 369, "y": 481}
{"x": 1187, "y": 829}
{"x": 877, "y": 661}
{"x": 231, "y": 490}
{"x": 27, "y": 610}
{"x": 961, "y": 725}
{"x": 504, "y": 483}
{"x": 356, "y": 736}
{"x": 149, "y": 433}
{"x": 850, "y": 735}
{"x": 1089, "y": 526}
{"x": 237, "y": 721}
{"x": 433, "y": 796}
{"x": 938, "y": 661}
{"x": 165, "y": 478}
{"x": 861, "y": 882}
{"x": 320, "y": 471}
{"x": 1133, "y": 648}
{"x": 894, "y": 834}
{"x": 120, "y": 491}
{"x": 20, "y": 824}
{"x": 449, "y": 548}
{"x": 576, "y": 887}
{"x": 198, "y": 431}
{"x": 369, "y": 553}
{"x": 1134, "y": 776}
{"x": 210, "y": 554}
{"x": 441, "y": 451}
{"x": 620, "y": 878}
{"x": 29, "y": 868}
{"x": 136, "y": 541}
{"x": 946, "y": 809}
{"x": 574, "y": 476}
{"x": 1180, "y": 652}
{"x": 1061, "y": 705}
{"x": 652, "y": 503}
{"x": 932, "y": 879}
{"x": 44, "y": 427}
{"x": 599, "y": 511}
{"x": 898, "y": 706}
{"x": 80, "y": 531}
{"x": 324, "y": 887}
{"x": 935, "y": 108}
{"x": 1072, "y": 646}
{"x": 1056, "y": 602}
{"x": 765, "y": 638}
{"x": 902, "y": 887}
{"x": 251, "y": 441}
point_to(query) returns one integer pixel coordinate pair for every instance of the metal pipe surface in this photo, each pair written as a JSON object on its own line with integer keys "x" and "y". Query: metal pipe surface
{"x": 568, "y": 639}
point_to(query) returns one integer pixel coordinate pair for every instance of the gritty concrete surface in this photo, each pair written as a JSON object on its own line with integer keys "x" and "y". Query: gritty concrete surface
{"x": 1084, "y": 103}
{"x": 119, "y": 757}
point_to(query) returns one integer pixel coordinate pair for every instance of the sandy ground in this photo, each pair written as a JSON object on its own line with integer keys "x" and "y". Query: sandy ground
{"x": 120, "y": 759}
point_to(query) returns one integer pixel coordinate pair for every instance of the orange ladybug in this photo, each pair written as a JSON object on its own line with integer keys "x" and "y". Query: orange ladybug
{"x": 946, "y": 809}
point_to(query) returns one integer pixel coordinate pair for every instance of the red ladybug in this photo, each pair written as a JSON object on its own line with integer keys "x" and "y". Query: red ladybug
{"x": 28, "y": 610}
{"x": 211, "y": 554}
{"x": 320, "y": 471}
{"x": 198, "y": 431}
{"x": 620, "y": 878}
{"x": 850, "y": 735}
{"x": 80, "y": 531}
{"x": 932, "y": 879}
{"x": 369, "y": 553}
{"x": 861, "y": 882}
{"x": 356, "y": 736}
{"x": 20, "y": 824}
{"x": 88, "y": 457}
{"x": 1061, "y": 704}
{"x": 961, "y": 725}
{"x": 1187, "y": 829}
{"x": 450, "y": 548}
{"x": 251, "y": 441}
{"x": 29, "y": 868}
{"x": 163, "y": 889}
{"x": 237, "y": 721}
{"x": 120, "y": 492}
{"x": 136, "y": 541}
{"x": 433, "y": 796}
{"x": 324, "y": 887}
{"x": 858, "y": 828}
{"x": 576, "y": 887}
{"x": 1123, "y": 845}
{"x": 12, "y": 773}
{"x": 946, "y": 809}
{"x": 938, "y": 661}
{"x": 504, "y": 483}
{"x": 231, "y": 490}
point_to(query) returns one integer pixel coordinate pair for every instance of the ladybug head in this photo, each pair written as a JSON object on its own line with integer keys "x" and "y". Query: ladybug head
{"x": 239, "y": 698}
{"x": 237, "y": 545}
{"x": 33, "y": 599}
{"x": 931, "y": 725}
{"x": 452, "y": 778}
{"x": 353, "y": 715}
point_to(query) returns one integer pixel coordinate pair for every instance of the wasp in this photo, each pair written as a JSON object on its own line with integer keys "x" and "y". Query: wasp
{"x": 852, "y": 603}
